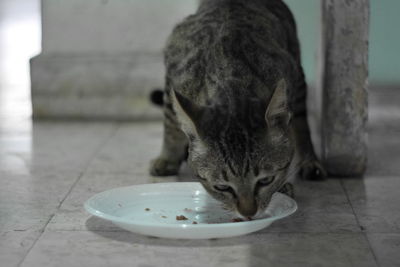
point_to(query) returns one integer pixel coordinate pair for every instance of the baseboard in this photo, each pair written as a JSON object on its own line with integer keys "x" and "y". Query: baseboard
{"x": 96, "y": 86}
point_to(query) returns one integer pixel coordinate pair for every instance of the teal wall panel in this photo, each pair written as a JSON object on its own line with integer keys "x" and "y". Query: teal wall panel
{"x": 384, "y": 58}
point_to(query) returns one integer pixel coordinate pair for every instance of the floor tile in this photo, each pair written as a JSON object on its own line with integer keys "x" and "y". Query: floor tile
{"x": 53, "y": 147}
{"x": 322, "y": 207}
{"x": 36, "y": 174}
{"x": 384, "y": 149}
{"x": 67, "y": 146}
{"x": 375, "y": 202}
{"x": 130, "y": 149}
{"x": 83, "y": 248}
{"x": 14, "y": 245}
{"x": 29, "y": 201}
{"x": 41, "y": 189}
{"x": 386, "y": 248}
{"x": 15, "y": 125}
{"x": 72, "y": 216}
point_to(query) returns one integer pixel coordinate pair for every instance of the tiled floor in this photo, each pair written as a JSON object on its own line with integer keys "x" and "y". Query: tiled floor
{"x": 47, "y": 170}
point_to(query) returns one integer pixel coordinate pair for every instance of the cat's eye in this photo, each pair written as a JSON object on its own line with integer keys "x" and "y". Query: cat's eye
{"x": 266, "y": 181}
{"x": 222, "y": 187}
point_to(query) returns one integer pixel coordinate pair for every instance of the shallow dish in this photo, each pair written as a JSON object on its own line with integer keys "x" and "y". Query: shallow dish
{"x": 152, "y": 209}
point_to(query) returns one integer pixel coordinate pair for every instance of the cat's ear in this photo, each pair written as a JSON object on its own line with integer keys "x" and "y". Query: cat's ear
{"x": 278, "y": 113}
{"x": 189, "y": 113}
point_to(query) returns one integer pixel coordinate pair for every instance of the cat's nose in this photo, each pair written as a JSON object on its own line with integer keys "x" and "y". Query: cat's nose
{"x": 247, "y": 206}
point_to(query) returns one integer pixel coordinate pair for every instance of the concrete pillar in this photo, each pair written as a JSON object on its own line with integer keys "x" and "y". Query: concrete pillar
{"x": 101, "y": 58}
{"x": 343, "y": 81}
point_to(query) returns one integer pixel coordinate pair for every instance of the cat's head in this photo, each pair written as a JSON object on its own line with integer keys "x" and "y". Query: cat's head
{"x": 242, "y": 158}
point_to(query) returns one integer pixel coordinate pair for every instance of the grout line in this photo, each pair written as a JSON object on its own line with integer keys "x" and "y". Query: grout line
{"x": 50, "y": 218}
{"x": 351, "y": 205}
{"x": 43, "y": 229}
{"x": 358, "y": 222}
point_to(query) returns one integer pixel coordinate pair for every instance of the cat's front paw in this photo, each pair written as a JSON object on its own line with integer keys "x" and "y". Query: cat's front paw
{"x": 164, "y": 167}
{"x": 313, "y": 170}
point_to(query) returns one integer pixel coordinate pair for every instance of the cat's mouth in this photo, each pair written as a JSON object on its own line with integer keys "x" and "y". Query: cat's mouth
{"x": 250, "y": 210}
{"x": 237, "y": 215}
{"x": 258, "y": 211}
{"x": 258, "y": 215}
{"x": 246, "y": 218}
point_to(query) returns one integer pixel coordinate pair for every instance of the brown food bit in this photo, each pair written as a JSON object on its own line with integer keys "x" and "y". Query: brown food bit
{"x": 181, "y": 218}
{"x": 194, "y": 222}
{"x": 188, "y": 210}
{"x": 237, "y": 220}
{"x": 147, "y": 209}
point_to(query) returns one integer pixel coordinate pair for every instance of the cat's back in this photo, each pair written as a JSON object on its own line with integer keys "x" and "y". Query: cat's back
{"x": 216, "y": 18}
{"x": 220, "y": 37}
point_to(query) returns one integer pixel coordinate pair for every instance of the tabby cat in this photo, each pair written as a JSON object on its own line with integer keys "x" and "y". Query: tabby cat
{"x": 234, "y": 103}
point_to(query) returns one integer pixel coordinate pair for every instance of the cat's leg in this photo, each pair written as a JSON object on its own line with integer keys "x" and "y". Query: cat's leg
{"x": 311, "y": 168}
{"x": 174, "y": 148}
{"x": 287, "y": 189}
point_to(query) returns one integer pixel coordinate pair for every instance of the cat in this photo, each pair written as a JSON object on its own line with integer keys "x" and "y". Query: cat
{"x": 235, "y": 103}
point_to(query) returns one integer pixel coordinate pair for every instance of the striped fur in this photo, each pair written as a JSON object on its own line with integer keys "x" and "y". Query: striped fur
{"x": 233, "y": 82}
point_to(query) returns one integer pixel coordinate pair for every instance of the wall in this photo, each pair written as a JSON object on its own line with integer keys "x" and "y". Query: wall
{"x": 102, "y": 58}
{"x": 110, "y": 26}
{"x": 384, "y": 58}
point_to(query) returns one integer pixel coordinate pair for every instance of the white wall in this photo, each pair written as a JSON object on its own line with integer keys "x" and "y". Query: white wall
{"x": 110, "y": 26}
{"x": 101, "y": 58}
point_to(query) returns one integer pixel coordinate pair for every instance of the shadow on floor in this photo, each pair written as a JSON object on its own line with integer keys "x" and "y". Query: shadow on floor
{"x": 131, "y": 238}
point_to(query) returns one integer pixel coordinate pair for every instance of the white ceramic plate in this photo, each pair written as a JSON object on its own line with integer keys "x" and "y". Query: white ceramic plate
{"x": 151, "y": 209}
